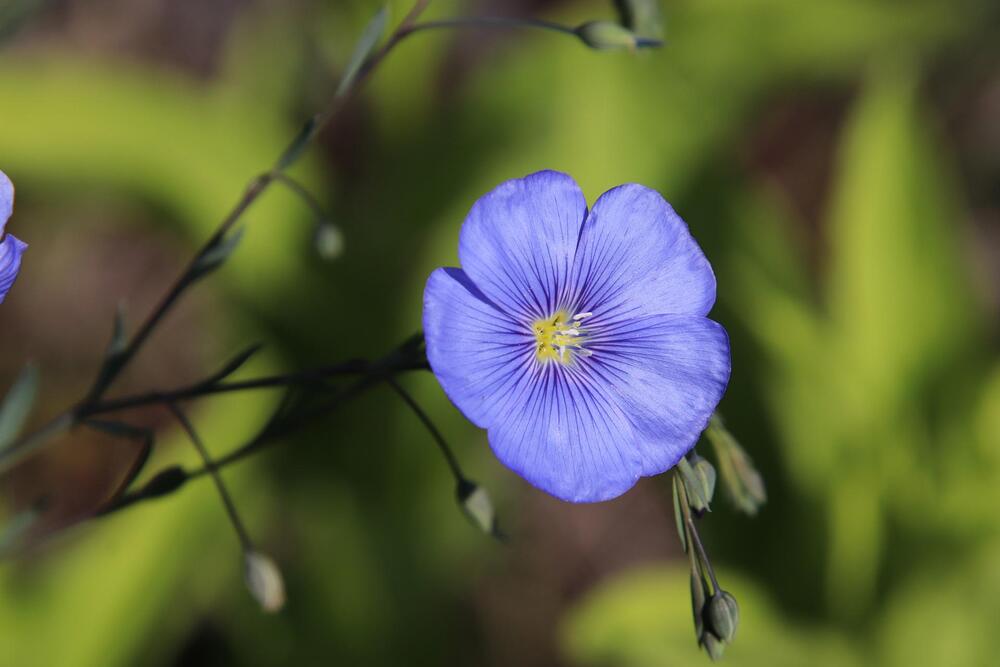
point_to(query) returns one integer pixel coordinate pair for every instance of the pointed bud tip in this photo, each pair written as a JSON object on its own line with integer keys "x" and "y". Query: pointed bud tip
{"x": 478, "y": 506}
{"x": 713, "y": 646}
{"x": 264, "y": 580}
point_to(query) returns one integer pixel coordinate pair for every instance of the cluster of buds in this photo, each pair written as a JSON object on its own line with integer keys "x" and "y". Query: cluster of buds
{"x": 715, "y": 610}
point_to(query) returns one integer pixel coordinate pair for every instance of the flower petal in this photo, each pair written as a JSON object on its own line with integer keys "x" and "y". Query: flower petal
{"x": 588, "y": 431}
{"x": 518, "y": 242}
{"x": 670, "y": 372}
{"x": 478, "y": 353}
{"x": 11, "y": 250}
{"x": 6, "y": 200}
{"x": 637, "y": 257}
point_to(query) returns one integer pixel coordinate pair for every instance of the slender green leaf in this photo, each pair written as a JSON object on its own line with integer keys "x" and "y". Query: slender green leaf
{"x": 363, "y": 49}
{"x": 17, "y": 405}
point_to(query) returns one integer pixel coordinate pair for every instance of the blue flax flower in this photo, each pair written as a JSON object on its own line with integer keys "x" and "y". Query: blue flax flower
{"x": 10, "y": 247}
{"x": 578, "y": 339}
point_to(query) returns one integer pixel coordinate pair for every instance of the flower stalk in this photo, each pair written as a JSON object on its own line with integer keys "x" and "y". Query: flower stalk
{"x": 715, "y": 610}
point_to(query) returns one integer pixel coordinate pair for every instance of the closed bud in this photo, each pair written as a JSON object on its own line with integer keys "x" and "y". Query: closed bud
{"x": 699, "y": 481}
{"x": 477, "y": 506}
{"x": 713, "y": 646}
{"x": 723, "y": 616}
{"x": 264, "y": 580}
{"x": 705, "y": 472}
{"x": 643, "y": 17}
{"x": 607, "y": 36}
{"x": 743, "y": 482}
{"x": 329, "y": 241}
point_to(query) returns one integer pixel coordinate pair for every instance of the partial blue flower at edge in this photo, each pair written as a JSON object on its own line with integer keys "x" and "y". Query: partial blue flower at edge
{"x": 11, "y": 248}
{"x": 578, "y": 339}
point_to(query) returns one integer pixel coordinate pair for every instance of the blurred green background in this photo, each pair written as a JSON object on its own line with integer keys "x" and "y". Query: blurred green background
{"x": 838, "y": 161}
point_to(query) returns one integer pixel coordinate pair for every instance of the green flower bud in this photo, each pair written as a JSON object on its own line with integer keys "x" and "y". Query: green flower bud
{"x": 699, "y": 481}
{"x": 643, "y": 17}
{"x": 723, "y": 616}
{"x": 263, "y": 579}
{"x": 713, "y": 646}
{"x": 329, "y": 241}
{"x": 705, "y": 473}
{"x": 608, "y": 36}
{"x": 477, "y": 506}
{"x": 742, "y": 481}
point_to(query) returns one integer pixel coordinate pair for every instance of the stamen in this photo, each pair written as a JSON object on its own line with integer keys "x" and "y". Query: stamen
{"x": 557, "y": 338}
{"x": 582, "y": 316}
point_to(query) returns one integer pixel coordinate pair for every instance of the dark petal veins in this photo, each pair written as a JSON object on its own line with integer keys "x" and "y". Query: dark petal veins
{"x": 11, "y": 250}
{"x": 479, "y": 354}
{"x": 636, "y": 257}
{"x": 518, "y": 242}
{"x": 587, "y": 431}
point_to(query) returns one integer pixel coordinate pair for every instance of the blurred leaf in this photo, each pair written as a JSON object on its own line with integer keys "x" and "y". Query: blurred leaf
{"x": 945, "y": 616}
{"x": 641, "y": 619}
{"x": 900, "y": 296}
{"x": 17, "y": 404}
{"x": 139, "y": 577}
{"x": 163, "y": 139}
{"x": 363, "y": 49}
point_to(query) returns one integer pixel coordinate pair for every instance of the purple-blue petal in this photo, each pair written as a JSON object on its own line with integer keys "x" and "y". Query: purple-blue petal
{"x": 588, "y": 431}
{"x": 637, "y": 257}
{"x": 6, "y": 200}
{"x": 477, "y": 352}
{"x": 11, "y": 250}
{"x": 643, "y": 369}
{"x": 518, "y": 242}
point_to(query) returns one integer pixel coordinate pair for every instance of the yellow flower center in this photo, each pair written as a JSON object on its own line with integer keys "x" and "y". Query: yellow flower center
{"x": 559, "y": 337}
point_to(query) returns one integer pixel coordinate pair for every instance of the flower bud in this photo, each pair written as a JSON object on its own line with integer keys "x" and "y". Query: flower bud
{"x": 699, "y": 481}
{"x": 743, "y": 482}
{"x": 705, "y": 473}
{"x": 713, "y": 646}
{"x": 607, "y": 36}
{"x": 329, "y": 241}
{"x": 723, "y": 616}
{"x": 263, "y": 578}
{"x": 477, "y": 506}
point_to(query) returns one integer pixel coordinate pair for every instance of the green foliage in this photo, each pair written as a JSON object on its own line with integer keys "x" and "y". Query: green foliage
{"x": 872, "y": 374}
{"x": 639, "y": 620}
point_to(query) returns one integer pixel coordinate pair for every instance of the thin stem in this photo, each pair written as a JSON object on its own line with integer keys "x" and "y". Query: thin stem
{"x": 449, "y": 455}
{"x": 378, "y": 371}
{"x": 304, "y": 194}
{"x": 253, "y": 191}
{"x": 494, "y": 22}
{"x": 213, "y": 471}
{"x": 201, "y": 389}
{"x": 694, "y": 538}
{"x": 256, "y": 188}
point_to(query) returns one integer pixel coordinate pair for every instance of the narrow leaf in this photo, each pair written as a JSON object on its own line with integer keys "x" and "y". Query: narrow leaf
{"x": 17, "y": 405}
{"x": 678, "y": 515}
{"x": 366, "y": 44}
{"x": 233, "y": 365}
{"x": 215, "y": 256}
